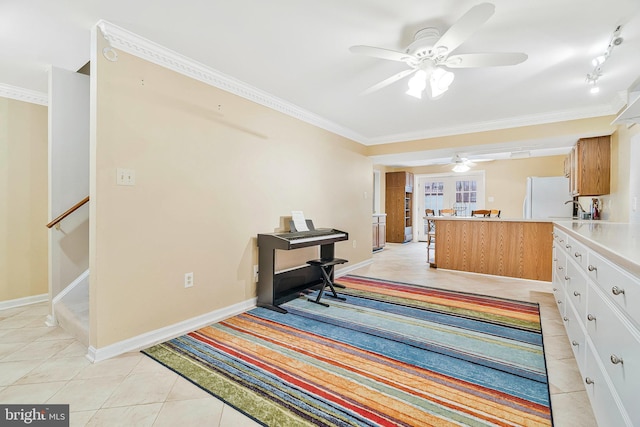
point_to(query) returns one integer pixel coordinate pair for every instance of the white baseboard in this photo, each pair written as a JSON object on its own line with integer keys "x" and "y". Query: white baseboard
{"x": 19, "y": 302}
{"x": 349, "y": 268}
{"x": 163, "y": 334}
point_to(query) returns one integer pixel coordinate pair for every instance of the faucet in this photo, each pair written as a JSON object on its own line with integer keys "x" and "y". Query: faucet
{"x": 580, "y": 208}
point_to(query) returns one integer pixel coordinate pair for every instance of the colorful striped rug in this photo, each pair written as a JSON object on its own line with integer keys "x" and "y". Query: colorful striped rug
{"x": 392, "y": 354}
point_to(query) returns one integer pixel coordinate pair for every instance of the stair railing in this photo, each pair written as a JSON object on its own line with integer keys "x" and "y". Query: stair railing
{"x": 72, "y": 209}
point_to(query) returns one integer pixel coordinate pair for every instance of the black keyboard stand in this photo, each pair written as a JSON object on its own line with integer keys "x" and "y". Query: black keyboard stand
{"x": 326, "y": 267}
{"x": 277, "y": 287}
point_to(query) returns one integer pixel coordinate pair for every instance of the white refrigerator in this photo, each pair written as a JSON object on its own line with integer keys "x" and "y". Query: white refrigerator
{"x": 546, "y": 197}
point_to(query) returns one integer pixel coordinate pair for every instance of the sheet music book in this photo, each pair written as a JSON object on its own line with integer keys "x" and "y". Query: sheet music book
{"x": 299, "y": 221}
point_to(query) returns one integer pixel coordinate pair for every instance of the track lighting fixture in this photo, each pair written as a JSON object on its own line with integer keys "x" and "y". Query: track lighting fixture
{"x": 598, "y": 61}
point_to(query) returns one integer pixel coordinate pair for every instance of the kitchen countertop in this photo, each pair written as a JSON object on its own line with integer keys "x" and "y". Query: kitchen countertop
{"x": 618, "y": 242}
{"x": 480, "y": 218}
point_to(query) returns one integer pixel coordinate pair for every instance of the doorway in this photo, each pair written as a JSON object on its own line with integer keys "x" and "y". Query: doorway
{"x": 461, "y": 192}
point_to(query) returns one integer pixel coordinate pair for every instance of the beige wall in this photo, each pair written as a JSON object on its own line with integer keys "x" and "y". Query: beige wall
{"x": 616, "y": 206}
{"x": 23, "y": 199}
{"x": 212, "y": 171}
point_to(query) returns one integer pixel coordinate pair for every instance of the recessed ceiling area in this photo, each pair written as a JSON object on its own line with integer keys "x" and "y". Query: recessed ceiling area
{"x": 520, "y": 149}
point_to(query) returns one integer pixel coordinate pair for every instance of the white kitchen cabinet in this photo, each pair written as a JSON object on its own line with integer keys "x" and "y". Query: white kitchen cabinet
{"x": 603, "y": 401}
{"x": 598, "y": 301}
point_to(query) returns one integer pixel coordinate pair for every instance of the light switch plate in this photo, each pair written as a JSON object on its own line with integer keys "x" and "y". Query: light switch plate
{"x": 125, "y": 176}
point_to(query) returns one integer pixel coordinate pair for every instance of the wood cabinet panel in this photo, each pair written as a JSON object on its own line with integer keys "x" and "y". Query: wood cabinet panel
{"x": 399, "y": 206}
{"x": 589, "y": 166}
{"x": 491, "y": 246}
{"x": 379, "y": 232}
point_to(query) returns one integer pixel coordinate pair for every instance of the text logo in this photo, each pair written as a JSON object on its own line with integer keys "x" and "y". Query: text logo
{"x": 34, "y": 415}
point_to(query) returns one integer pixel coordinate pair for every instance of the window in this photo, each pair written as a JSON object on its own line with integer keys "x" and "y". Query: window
{"x": 462, "y": 192}
{"x": 466, "y": 196}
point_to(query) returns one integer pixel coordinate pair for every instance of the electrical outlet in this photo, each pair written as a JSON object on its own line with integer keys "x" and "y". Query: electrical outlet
{"x": 188, "y": 280}
{"x": 255, "y": 273}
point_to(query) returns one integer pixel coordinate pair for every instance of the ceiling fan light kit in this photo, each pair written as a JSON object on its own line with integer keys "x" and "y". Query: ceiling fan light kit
{"x": 461, "y": 164}
{"x": 428, "y": 55}
{"x": 460, "y": 168}
{"x": 417, "y": 84}
{"x": 440, "y": 81}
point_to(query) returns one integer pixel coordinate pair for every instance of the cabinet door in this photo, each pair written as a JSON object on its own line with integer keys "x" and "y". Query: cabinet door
{"x": 593, "y": 166}
{"x": 605, "y": 406}
{"x": 375, "y": 239}
{"x": 576, "y": 335}
{"x": 576, "y": 287}
{"x": 573, "y": 165}
{"x": 617, "y": 348}
{"x": 621, "y": 287}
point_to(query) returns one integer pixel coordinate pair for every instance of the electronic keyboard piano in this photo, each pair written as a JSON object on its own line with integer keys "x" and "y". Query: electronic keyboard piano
{"x": 275, "y": 288}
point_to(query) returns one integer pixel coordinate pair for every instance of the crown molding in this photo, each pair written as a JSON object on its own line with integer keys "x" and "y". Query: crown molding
{"x": 26, "y": 95}
{"x": 610, "y": 109}
{"x": 125, "y": 40}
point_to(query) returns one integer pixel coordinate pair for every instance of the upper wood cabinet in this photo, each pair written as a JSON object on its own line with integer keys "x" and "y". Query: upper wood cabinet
{"x": 589, "y": 166}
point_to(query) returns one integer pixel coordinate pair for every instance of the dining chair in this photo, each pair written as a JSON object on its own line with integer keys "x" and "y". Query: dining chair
{"x": 481, "y": 213}
{"x": 495, "y": 213}
{"x": 431, "y": 231}
{"x": 447, "y": 212}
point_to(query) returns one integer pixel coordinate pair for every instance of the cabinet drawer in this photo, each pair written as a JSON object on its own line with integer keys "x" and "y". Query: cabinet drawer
{"x": 561, "y": 301}
{"x": 576, "y": 335}
{"x": 605, "y": 407}
{"x": 560, "y": 266}
{"x": 618, "y": 348}
{"x": 576, "y": 288}
{"x": 577, "y": 252}
{"x": 621, "y": 287}
{"x": 559, "y": 237}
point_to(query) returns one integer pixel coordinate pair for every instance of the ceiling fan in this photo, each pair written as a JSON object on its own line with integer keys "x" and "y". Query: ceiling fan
{"x": 463, "y": 164}
{"x": 430, "y": 53}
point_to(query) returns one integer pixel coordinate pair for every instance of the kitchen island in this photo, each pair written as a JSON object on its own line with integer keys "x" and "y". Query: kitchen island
{"x": 503, "y": 247}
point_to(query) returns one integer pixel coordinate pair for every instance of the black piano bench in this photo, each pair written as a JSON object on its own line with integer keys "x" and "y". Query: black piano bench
{"x": 326, "y": 267}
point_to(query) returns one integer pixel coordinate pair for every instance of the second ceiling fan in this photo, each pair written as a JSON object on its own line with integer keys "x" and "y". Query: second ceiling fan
{"x": 430, "y": 54}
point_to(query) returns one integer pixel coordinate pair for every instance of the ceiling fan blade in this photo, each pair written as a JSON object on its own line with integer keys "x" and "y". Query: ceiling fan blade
{"x": 464, "y": 27}
{"x": 388, "y": 81}
{"x": 472, "y": 60}
{"x": 378, "y": 52}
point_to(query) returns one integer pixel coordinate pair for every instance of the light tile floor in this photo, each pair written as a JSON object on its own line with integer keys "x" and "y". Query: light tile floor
{"x": 40, "y": 364}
